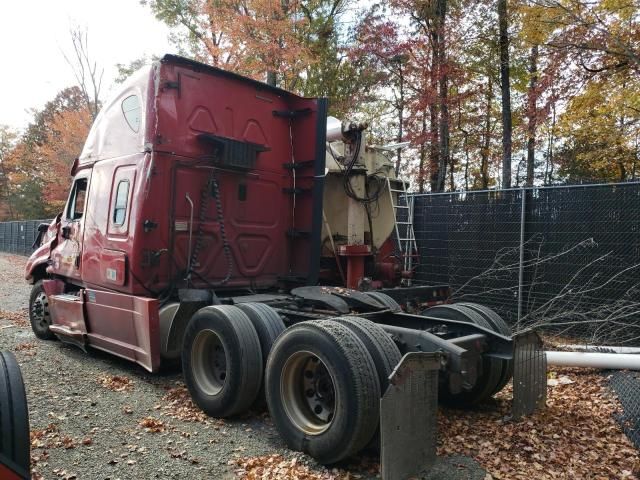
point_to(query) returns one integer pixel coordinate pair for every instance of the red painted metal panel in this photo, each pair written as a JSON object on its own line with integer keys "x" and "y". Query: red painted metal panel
{"x": 66, "y": 256}
{"x": 67, "y": 316}
{"x": 113, "y": 267}
{"x": 53, "y": 287}
{"x": 124, "y": 325}
{"x": 7, "y": 474}
{"x": 258, "y": 212}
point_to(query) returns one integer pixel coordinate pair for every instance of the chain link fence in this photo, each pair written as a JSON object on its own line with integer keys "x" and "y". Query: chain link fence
{"x": 564, "y": 258}
{"x": 17, "y": 237}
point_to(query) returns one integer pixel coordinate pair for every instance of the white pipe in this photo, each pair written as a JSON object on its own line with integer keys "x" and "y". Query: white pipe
{"x": 602, "y": 348}
{"x": 334, "y": 129}
{"x": 616, "y": 361}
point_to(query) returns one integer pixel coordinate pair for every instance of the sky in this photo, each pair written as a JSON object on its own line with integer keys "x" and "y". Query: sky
{"x": 34, "y": 33}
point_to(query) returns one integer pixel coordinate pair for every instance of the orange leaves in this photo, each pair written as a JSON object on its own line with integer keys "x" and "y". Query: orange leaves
{"x": 68, "y": 131}
{"x": 18, "y": 319}
{"x": 36, "y": 167}
{"x": 575, "y": 437}
{"x": 179, "y": 405}
{"x": 275, "y": 467}
{"x": 116, "y": 383}
{"x": 251, "y": 37}
{"x": 152, "y": 425}
{"x": 28, "y": 348}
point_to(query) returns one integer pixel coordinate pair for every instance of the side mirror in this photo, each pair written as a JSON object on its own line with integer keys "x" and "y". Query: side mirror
{"x": 74, "y": 167}
{"x": 42, "y": 229}
{"x": 66, "y": 232}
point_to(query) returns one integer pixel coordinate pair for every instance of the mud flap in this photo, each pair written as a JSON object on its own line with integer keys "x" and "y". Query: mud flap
{"x": 529, "y": 374}
{"x": 408, "y": 417}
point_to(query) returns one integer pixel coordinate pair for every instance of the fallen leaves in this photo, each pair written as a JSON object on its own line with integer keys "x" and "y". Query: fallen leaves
{"x": 46, "y": 437}
{"x": 182, "y": 455}
{"x": 180, "y": 406}
{"x": 62, "y": 473}
{"x": 51, "y": 437}
{"x": 574, "y": 437}
{"x": 68, "y": 443}
{"x": 28, "y": 348}
{"x": 276, "y": 467}
{"x": 17, "y": 319}
{"x": 152, "y": 425}
{"x": 116, "y": 383}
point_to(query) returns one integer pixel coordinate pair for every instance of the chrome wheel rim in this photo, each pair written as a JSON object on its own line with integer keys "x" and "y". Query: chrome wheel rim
{"x": 307, "y": 390}
{"x": 40, "y": 311}
{"x": 209, "y": 362}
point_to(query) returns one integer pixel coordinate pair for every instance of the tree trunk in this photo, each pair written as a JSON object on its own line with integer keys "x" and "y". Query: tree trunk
{"x": 400, "y": 116}
{"x": 484, "y": 151}
{"x": 443, "y": 93}
{"x": 532, "y": 113}
{"x": 506, "y": 93}
{"x": 552, "y": 137}
{"x": 434, "y": 151}
{"x": 423, "y": 152}
{"x": 465, "y": 148}
{"x": 634, "y": 166}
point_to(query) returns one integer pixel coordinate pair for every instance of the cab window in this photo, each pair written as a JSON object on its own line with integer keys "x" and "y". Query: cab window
{"x": 77, "y": 199}
{"x": 131, "y": 111}
{"x": 120, "y": 207}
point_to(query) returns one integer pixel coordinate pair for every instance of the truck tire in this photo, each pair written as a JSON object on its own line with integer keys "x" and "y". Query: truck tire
{"x": 499, "y": 326}
{"x": 39, "y": 315}
{"x": 269, "y": 326}
{"x": 323, "y": 390}
{"x": 385, "y": 300}
{"x": 267, "y": 323}
{"x": 384, "y": 353}
{"x": 492, "y": 368}
{"x": 14, "y": 417}
{"x": 222, "y": 360}
{"x": 497, "y": 322}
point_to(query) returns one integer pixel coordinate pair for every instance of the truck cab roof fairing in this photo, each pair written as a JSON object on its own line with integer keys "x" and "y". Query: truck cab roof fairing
{"x": 118, "y": 129}
{"x": 203, "y": 67}
{"x": 111, "y": 135}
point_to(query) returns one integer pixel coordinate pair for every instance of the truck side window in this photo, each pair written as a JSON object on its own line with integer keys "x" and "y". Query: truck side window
{"x": 131, "y": 111}
{"x": 78, "y": 197}
{"x": 120, "y": 207}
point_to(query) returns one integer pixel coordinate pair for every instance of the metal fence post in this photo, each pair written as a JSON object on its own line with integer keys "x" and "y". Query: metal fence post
{"x": 523, "y": 204}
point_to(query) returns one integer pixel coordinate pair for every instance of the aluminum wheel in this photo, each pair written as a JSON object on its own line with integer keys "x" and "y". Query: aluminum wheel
{"x": 40, "y": 311}
{"x": 308, "y": 393}
{"x": 209, "y": 361}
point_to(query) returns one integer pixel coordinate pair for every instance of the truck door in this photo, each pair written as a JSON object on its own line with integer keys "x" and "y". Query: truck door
{"x": 66, "y": 256}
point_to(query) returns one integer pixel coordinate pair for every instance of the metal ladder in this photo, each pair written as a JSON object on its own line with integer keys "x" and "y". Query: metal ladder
{"x": 405, "y": 234}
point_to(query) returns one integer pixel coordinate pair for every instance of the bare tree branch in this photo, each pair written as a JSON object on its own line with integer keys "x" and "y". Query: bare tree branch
{"x": 86, "y": 71}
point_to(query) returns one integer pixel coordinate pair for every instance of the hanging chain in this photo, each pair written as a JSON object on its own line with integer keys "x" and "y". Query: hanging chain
{"x": 212, "y": 188}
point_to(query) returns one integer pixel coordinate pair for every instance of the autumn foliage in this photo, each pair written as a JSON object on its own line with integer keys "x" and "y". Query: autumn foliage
{"x": 67, "y": 133}
{"x": 428, "y": 73}
{"x": 36, "y": 166}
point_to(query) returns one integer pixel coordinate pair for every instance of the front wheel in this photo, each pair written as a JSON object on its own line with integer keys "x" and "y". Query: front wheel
{"x": 39, "y": 314}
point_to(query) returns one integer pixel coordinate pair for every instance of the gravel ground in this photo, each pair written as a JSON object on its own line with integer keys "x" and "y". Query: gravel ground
{"x": 95, "y": 416}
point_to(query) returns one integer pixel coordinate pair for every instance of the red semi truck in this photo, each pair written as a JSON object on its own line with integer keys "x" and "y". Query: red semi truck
{"x": 216, "y": 221}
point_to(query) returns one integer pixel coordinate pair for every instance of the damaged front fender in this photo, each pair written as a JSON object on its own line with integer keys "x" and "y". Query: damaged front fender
{"x": 38, "y": 261}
